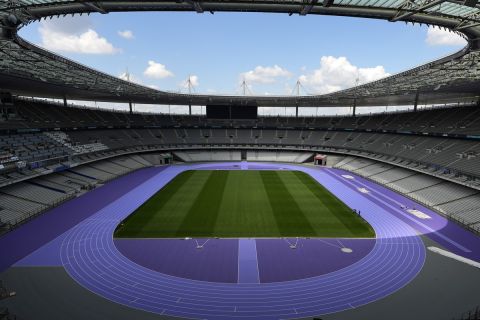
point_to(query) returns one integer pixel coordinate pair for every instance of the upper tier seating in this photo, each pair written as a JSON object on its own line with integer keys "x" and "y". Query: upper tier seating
{"x": 199, "y": 156}
{"x": 411, "y": 148}
{"x": 382, "y": 135}
{"x": 86, "y": 146}
{"x": 452, "y": 158}
{"x": 40, "y": 114}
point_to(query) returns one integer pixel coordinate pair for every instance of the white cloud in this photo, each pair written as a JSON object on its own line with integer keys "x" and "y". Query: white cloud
{"x": 440, "y": 37}
{"x": 338, "y": 73}
{"x": 129, "y": 77}
{"x": 77, "y": 37}
{"x": 126, "y": 34}
{"x": 264, "y": 74}
{"x": 69, "y": 25}
{"x": 157, "y": 70}
{"x": 193, "y": 82}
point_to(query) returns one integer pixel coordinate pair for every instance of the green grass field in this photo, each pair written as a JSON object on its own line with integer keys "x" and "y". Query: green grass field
{"x": 243, "y": 203}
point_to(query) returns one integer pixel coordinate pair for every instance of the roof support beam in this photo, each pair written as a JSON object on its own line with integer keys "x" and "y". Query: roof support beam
{"x": 95, "y": 7}
{"x": 466, "y": 26}
{"x": 415, "y": 104}
{"x": 196, "y": 5}
{"x": 327, "y": 3}
{"x": 308, "y": 7}
{"x": 471, "y": 3}
{"x": 417, "y": 9}
{"x": 467, "y": 21}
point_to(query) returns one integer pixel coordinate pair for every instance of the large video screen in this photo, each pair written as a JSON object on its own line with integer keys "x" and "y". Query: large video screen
{"x": 231, "y": 112}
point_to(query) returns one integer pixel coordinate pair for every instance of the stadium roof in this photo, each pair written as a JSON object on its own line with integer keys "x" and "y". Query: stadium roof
{"x": 29, "y": 70}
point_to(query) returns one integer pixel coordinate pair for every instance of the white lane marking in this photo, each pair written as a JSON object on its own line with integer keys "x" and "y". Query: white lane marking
{"x": 437, "y": 232}
{"x": 419, "y": 214}
{"x": 363, "y": 190}
{"x": 256, "y": 260}
{"x": 242, "y": 261}
{"x": 457, "y": 257}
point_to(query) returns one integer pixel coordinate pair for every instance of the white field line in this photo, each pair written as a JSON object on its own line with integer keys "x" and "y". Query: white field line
{"x": 451, "y": 255}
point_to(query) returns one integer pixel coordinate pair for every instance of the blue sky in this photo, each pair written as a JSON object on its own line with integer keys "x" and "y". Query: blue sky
{"x": 270, "y": 51}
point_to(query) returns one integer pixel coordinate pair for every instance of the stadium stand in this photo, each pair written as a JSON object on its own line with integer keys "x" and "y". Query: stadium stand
{"x": 414, "y": 182}
{"x": 473, "y": 314}
{"x": 40, "y": 114}
{"x": 200, "y": 156}
{"x": 6, "y": 294}
{"x": 279, "y": 156}
{"x": 23, "y": 200}
{"x": 64, "y": 140}
{"x": 56, "y": 152}
{"x": 455, "y": 201}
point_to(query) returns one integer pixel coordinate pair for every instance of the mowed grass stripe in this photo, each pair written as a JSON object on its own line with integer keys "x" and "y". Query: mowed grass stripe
{"x": 171, "y": 214}
{"x": 201, "y": 218}
{"x": 321, "y": 218}
{"x": 146, "y": 220}
{"x": 339, "y": 213}
{"x": 290, "y": 219}
{"x": 245, "y": 209}
{"x": 218, "y": 203}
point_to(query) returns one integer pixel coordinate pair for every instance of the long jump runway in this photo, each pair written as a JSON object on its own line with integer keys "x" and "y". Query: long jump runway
{"x": 89, "y": 255}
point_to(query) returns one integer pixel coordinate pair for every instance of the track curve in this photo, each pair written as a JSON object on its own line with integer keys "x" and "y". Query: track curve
{"x": 90, "y": 256}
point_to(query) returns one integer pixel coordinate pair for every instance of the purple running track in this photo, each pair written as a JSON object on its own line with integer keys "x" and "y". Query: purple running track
{"x": 247, "y": 261}
{"x": 181, "y": 258}
{"x": 443, "y": 231}
{"x": 46, "y": 227}
{"x": 90, "y": 256}
{"x": 219, "y": 259}
{"x": 313, "y": 257}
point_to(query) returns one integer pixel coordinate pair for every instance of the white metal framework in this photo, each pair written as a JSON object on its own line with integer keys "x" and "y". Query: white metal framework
{"x": 27, "y": 69}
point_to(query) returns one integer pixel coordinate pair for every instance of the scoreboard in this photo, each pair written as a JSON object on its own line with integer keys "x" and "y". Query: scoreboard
{"x": 231, "y": 112}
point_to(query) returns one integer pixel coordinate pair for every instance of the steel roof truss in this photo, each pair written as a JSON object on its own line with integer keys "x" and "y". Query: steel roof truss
{"x": 410, "y": 8}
